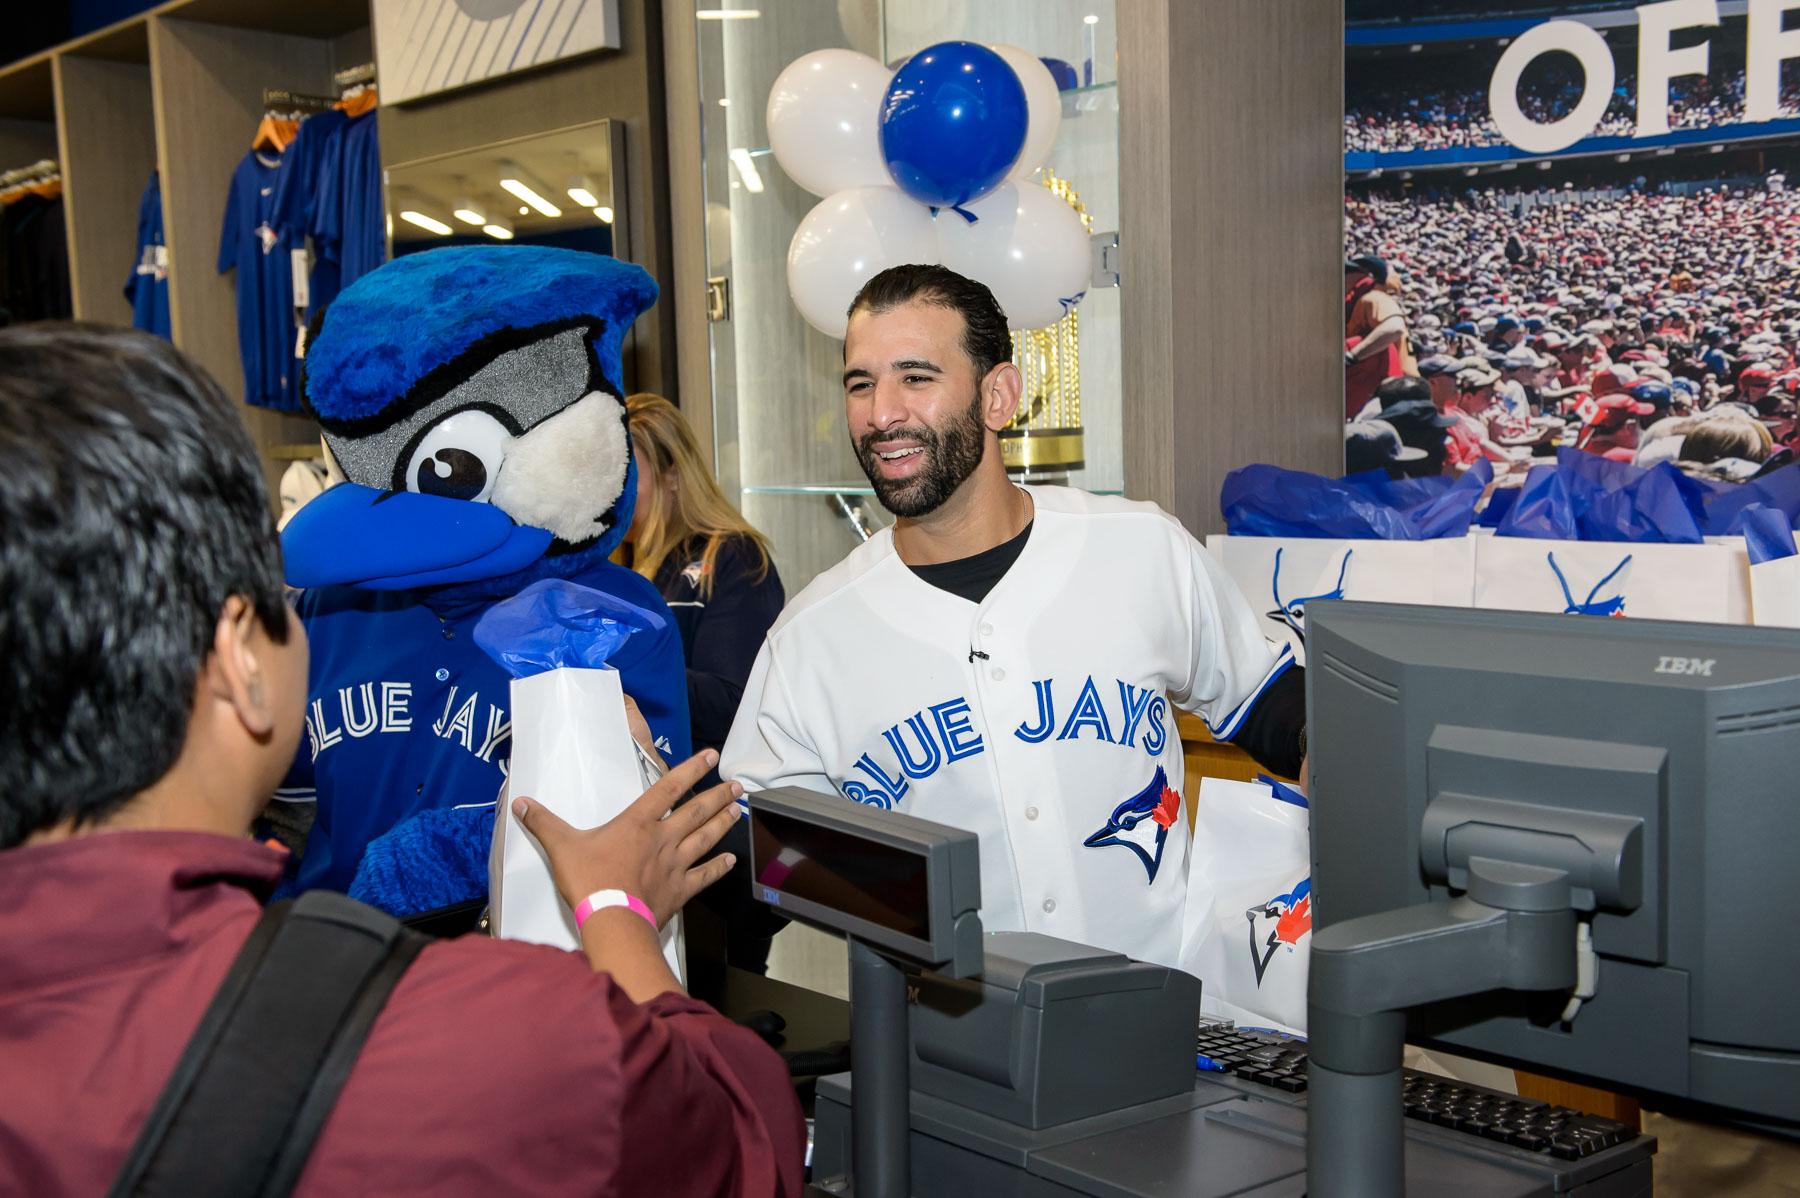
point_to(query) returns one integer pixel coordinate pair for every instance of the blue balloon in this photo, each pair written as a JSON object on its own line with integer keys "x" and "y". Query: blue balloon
{"x": 952, "y": 123}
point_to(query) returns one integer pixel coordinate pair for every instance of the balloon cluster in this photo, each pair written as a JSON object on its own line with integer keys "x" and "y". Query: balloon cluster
{"x": 931, "y": 164}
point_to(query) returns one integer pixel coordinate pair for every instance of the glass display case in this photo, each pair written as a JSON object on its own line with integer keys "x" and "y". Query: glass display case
{"x": 777, "y": 399}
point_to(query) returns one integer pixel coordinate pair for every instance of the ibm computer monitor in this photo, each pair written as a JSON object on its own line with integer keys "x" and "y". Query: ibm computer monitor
{"x": 1665, "y": 755}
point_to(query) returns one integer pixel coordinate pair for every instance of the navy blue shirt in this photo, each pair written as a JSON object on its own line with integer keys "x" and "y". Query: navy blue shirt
{"x": 250, "y": 245}
{"x": 296, "y": 198}
{"x": 349, "y": 225}
{"x": 147, "y": 287}
{"x": 406, "y": 713}
{"x": 720, "y": 634}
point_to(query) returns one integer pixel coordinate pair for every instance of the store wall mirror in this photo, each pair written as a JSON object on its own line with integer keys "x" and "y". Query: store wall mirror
{"x": 561, "y": 188}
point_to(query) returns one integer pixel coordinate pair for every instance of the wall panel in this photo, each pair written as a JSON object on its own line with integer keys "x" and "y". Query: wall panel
{"x": 1231, "y": 116}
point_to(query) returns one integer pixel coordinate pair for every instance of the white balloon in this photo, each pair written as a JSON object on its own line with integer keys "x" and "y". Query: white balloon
{"x": 824, "y": 114}
{"x": 847, "y": 239}
{"x": 1027, "y": 245}
{"x": 1043, "y": 103}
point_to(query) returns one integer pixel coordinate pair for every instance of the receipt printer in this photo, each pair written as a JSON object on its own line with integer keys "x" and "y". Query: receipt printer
{"x": 1052, "y": 1031}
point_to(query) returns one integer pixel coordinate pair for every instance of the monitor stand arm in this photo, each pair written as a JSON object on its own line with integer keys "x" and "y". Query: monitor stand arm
{"x": 880, "y": 1069}
{"x": 1514, "y": 929}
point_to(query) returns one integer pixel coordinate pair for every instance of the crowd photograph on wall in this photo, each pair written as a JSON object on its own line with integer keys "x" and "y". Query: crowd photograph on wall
{"x": 1630, "y": 296}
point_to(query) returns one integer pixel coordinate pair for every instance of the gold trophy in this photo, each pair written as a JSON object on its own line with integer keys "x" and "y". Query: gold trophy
{"x": 1043, "y": 442}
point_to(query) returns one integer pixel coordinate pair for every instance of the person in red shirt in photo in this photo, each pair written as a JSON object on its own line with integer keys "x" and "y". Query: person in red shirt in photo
{"x": 155, "y": 677}
{"x": 1374, "y": 331}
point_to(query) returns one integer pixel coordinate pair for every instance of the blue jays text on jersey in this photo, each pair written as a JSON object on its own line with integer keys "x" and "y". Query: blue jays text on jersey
{"x": 393, "y": 730}
{"x": 383, "y": 708}
{"x": 926, "y": 741}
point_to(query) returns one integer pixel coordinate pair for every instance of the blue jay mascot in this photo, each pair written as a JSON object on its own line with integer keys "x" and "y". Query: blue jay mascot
{"x": 472, "y": 398}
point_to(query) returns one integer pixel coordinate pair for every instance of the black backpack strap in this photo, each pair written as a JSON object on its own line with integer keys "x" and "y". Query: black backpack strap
{"x": 260, "y": 1075}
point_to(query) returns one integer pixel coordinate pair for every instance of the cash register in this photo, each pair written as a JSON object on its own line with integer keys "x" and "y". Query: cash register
{"x": 1531, "y": 845}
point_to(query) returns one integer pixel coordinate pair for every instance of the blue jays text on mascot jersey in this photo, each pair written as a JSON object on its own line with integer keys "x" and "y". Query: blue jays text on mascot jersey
{"x": 471, "y": 397}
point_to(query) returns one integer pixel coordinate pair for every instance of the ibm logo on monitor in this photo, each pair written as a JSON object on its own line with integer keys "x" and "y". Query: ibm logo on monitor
{"x": 1697, "y": 666}
{"x": 773, "y": 896}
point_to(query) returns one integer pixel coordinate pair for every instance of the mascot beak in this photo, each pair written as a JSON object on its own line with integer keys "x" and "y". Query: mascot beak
{"x": 396, "y": 540}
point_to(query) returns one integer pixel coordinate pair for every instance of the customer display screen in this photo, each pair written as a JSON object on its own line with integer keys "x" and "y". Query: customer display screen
{"x": 876, "y": 882}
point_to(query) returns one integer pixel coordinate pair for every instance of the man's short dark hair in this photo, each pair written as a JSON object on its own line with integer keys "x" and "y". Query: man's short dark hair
{"x": 985, "y": 336}
{"x": 132, "y": 505}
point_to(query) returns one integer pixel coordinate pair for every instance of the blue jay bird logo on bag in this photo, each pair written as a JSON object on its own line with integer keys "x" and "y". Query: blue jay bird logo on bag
{"x": 1142, "y": 822}
{"x": 1292, "y": 612}
{"x": 1593, "y": 605}
{"x": 1287, "y": 917}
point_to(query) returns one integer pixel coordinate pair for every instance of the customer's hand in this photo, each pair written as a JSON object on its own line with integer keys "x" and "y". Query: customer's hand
{"x": 640, "y": 851}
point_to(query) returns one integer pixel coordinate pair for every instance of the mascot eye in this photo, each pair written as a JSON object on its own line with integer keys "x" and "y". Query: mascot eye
{"x": 459, "y": 457}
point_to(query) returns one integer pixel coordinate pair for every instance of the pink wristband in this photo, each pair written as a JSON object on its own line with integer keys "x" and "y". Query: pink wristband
{"x": 602, "y": 899}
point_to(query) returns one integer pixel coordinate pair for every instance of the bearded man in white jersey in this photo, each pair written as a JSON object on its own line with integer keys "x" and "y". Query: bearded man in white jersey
{"x": 1007, "y": 658}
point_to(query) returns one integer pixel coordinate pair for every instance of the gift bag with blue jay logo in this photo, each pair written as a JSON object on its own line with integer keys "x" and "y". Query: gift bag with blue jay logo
{"x": 1247, "y": 927}
{"x": 572, "y": 749}
{"x": 1296, "y": 537}
{"x": 1593, "y": 537}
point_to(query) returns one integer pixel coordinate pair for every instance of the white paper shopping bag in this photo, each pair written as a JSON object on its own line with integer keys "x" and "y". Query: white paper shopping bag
{"x": 1775, "y": 592}
{"x": 571, "y": 751}
{"x": 1281, "y": 575}
{"x": 1614, "y": 578}
{"x": 1247, "y": 927}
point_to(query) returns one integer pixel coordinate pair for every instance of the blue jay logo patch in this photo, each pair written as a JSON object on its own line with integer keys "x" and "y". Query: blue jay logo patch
{"x": 1142, "y": 822}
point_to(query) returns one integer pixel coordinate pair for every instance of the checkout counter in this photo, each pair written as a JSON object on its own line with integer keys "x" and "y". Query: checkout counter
{"x": 1509, "y": 877}
{"x": 1029, "y": 1066}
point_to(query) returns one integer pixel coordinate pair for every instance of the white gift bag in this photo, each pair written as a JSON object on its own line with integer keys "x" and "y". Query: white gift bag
{"x": 1247, "y": 927}
{"x": 1775, "y": 592}
{"x": 571, "y": 751}
{"x": 1613, "y": 578}
{"x": 1280, "y": 575}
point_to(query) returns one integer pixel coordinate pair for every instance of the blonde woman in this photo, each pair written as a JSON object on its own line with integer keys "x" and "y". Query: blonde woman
{"x": 712, "y": 568}
{"x": 714, "y": 572}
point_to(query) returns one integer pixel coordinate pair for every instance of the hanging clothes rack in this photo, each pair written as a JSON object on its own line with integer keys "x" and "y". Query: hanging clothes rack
{"x": 283, "y": 111}
{"x": 357, "y": 76}
{"x": 43, "y": 177}
{"x": 356, "y": 89}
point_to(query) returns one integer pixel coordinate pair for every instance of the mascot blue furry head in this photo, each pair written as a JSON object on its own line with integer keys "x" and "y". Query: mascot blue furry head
{"x": 472, "y": 398}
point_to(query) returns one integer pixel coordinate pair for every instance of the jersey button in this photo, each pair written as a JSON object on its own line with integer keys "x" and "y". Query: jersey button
{"x": 448, "y": 634}
{"x": 443, "y": 675}
{"x": 1031, "y": 813}
{"x": 997, "y": 674}
{"x": 1049, "y": 906}
{"x": 987, "y": 630}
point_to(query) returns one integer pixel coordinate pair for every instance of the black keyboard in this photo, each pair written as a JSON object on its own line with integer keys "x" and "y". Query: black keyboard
{"x": 1271, "y": 1058}
{"x": 1255, "y": 1055}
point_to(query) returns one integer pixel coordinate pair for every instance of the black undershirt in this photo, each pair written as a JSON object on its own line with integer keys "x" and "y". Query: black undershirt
{"x": 1273, "y": 730}
{"x": 972, "y": 578}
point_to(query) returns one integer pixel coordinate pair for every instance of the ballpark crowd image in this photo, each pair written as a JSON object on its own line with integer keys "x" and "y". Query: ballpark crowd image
{"x": 1637, "y": 305}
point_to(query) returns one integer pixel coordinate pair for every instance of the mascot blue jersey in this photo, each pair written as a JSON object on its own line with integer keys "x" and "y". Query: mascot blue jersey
{"x": 472, "y": 398}
{"x": 405, "y": 713}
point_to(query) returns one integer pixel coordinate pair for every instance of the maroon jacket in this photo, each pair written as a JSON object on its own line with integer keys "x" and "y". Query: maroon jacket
{"x": 495, "y": 1068}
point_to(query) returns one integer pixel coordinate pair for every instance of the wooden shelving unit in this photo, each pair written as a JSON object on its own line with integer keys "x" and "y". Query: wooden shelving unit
{"x": 177, "y": 89}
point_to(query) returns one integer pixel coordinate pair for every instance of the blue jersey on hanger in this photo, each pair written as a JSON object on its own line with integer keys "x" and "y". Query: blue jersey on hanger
{"x": 250, "y": 244}
{"x": 296, "y": 194}
{"x": 405, "y": 713}
{"x": 147, "y": 287}
{"x": 350, "y": 227}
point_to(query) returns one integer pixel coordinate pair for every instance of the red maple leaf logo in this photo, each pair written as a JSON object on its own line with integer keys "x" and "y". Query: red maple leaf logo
{"x": 1295, "y": 922}
{"x": 1168, "y": 809}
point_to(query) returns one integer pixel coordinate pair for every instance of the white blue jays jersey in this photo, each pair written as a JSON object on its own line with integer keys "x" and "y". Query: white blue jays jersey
{"x": 1039, "y": 718}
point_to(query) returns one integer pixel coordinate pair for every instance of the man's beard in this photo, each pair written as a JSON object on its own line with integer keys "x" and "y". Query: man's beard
{"x": 951, "y": 456}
